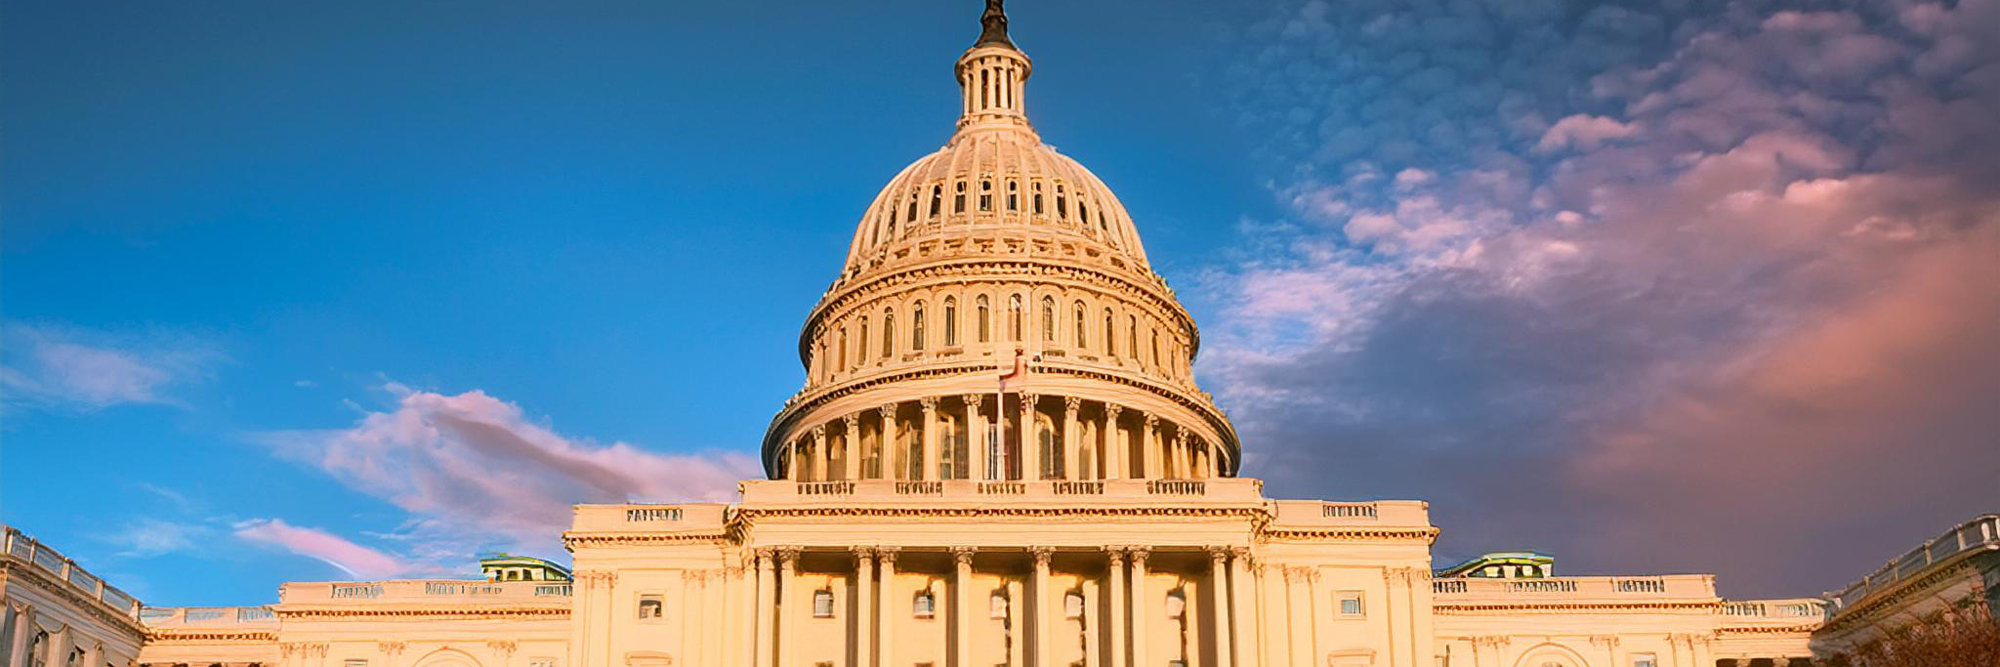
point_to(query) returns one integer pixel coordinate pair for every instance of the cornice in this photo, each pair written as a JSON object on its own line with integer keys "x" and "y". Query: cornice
{"x": 12, "y": 567}
{"x": 1767, "y": 630}
{"x": 572, "y": 540}
{"x": 1349, "y": 534}
{"x": 752, "y": 514}
{"x": 432, "y": 613}
{"x": 1483, "y": 609}
{"x": 173, "y": 635}
{"x": 1874, "y": 604}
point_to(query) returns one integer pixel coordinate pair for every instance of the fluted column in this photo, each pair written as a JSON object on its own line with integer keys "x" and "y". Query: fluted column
{"x": 1218, "y": 577}
{"x": 24, "y": 624}
{"x": 1141, "y": 606}
{"x": 850, "y": 455}
{"x": 767, "y": 601}
{"x": 1183, "y": 455}
{"x": 864, "y": 611}
{"x": 1045, "y": 609}
{"x": 1030, "y": 444}
{"x": 885, "y": 601}
{"x": 1150, "y": 448}
{"x": 1317, "y": 605}
{"x": 886, "y": 446}
{"x": 788, "y": 610}
{"x": 794, "y": 465}
{"x": 1072, "y": 466}
{"x": 1298, "y": 617}
{"x": 59, "y": 644}
{"x": 961, "y": 605}
{"x": 1241, "y": 605}
{"x": 929, "y": 467}
{"x": 975, "y": 420}
{"x": 1117, "y": 628}
{"x": 821, "y": 463}
{"x": 1117, "y": 450}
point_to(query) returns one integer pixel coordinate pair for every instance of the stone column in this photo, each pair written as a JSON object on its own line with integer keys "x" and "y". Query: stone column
{"x": 1045, "y": 610}
{"x": 961, "y": 605}
{"x": 795, "y": 461}
{"x": 1241, "y": 605}
{"x": 1115, "y": 630}
{"x": 928, "y": 468}
{"x": 1298, "y": 618}
{"x": 1031, "y": 443}
{"x": 1072, "y": 445}
{"x": 1218, "y": 577}
{"x": 1117, "y": 451}
{"x": 1141, "y": 606}
{"x": 59, "y": 643}
{"x": 24, "y": 625}
{"x": 821, "y": 462}
{"x": 1317, "y": 607}
{"x": 864, "y": 609}
{"x": 886, "y": 447}
{"x": 1093, "y": 626}
{"x": 767, "y": 607}
{"x": 975, "y": 422}
{"x": 850, "y": 456}
{"x": 885, "y": 601}
{"x": 1183, "y": 456}
{"x": 788, "y": 610}
{"x": 1150, "y": 449}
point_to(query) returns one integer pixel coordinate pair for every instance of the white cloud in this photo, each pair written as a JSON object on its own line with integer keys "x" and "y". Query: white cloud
{"x": 357, "y": 561}
{"x": 64, "y": 367}
{"x": 1582, "y": 132}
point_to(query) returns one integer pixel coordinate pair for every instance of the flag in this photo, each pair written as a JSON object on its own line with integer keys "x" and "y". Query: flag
{"x": 1014, "y": 374}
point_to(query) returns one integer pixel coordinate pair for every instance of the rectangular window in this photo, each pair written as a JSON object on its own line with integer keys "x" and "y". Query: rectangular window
{"x": 925, "y": 605}
{"x": 541, "y": 662}
{"x": 1350, "y": 603}
{"x": 1644, "y": 660}
{"x": 823, "y": 604}
{"x": 354, "y": 662}
{"x": 652, "y": 606}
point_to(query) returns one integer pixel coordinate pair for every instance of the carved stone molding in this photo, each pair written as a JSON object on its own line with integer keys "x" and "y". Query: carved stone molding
{"x": 1042, "y": 555}
{"x": 963, "y": 555}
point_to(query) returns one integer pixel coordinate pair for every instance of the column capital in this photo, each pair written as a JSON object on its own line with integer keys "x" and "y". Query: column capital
{"x": 963, "y": 555}
{"x": 1111, "y": 410}
{"x": 973, "y": 401}
{"x": 1071, "y": 404}
{"x": 1116, "y": 555}
{"x": 763, "y": 552}
{"x": 1028, "y": 400}
{"x": 819, "y": 433}
{"x": 1042, "y": 555}
{"x": 1181, "y": 437}
{"x": 929, "y": 404}
{"x": 862, "y": 552}
{"x": 1240, "y": 552}
{"x": 1139, "y": 553}
{"x": 852, "y": 419}
{"x": 887, "y": 554}
{"x": 888, "y": 410}
{"x": 1152, "y": 422}
{"x": 787, "y": 556}
{"x": 1218, "y": 554}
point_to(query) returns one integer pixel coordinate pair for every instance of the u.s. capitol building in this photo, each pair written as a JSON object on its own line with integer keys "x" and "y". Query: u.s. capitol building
{"x": 1000, "y": 457}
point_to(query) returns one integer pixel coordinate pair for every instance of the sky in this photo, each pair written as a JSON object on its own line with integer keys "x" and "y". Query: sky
{"x": 297, "y": 291}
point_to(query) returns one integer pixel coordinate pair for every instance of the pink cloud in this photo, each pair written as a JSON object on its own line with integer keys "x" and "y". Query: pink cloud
{"x": 470, "y": 467}
{"x": 1582, "y": 131}
{"x": 357, "y": 561}
{"x": 56, "y": 366}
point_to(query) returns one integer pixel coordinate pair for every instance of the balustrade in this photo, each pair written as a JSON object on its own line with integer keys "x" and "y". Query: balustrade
{"x": 1176, "y": 487}
{"x": 920, "y": 488}
{"x": 1090, "y": 488}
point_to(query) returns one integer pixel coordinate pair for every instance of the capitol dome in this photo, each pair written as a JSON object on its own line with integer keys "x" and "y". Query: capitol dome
{"x": 996, "y": 320}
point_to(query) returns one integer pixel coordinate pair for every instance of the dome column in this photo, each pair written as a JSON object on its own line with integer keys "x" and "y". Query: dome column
{"x": 1149, "y": 449}
{"x": 850, "y": 456}
{"x": 929, "y": 467}
{"x": 820, "y": 460}
{"x": 1045, "y": 467}
{"x": 1183, "y": 454}
{"x": 977, "y": 448}
{"x": 885, "y": 444}
{"x": 1116, "y": 448}
{"x": 1073, "y": 464}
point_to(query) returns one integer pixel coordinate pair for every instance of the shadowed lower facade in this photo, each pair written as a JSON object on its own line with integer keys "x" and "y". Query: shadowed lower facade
{"x": 1000, "y": 456}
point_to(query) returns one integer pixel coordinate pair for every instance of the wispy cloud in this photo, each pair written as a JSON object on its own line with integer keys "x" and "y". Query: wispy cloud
{"x": 146, "y": 537}
{"x": 62, "y": 367}
{"x": 1690, "y": 302}
{"x": 357, "y": 561}
{"x": 470, "y": 468}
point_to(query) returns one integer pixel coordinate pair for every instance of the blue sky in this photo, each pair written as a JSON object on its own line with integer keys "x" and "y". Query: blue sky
{"x": 1552, "y": 266}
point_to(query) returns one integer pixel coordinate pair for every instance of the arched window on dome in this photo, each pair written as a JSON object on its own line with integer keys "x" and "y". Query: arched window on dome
{"x": 958, "y": 197}
{"x": 985, "y": 319}
{"x": 1049, "y": 319}
{"x": 1110, "y": 343}
{"x": 1082, "y": 210}
{"x": 1037, "y": 187}
{"x": 1132, "y": 335}
{"x": 1156, "y": 346}
{"x": 950, "y": 321}
{"x": 1013, "y": 195}
{"x": 889, "y": 335}
{"x": 1062, "y": 204}
{"x": 861, "y": 354}
{"x": 937, "y": 200}
{"x": 1082, "y": 341}
{"x": 1100, "y": 222}
{"x": 1014, "y": 317}
{"x": 917, "y": 327}
{"x": 986, "y": 196}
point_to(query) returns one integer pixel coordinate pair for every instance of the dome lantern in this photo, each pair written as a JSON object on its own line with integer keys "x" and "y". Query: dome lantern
{"x": 993, "y": 75}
